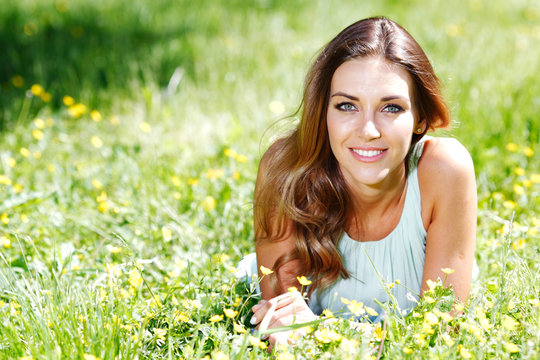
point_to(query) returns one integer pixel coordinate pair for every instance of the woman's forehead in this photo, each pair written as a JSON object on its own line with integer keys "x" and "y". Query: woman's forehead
{"x": 371, "y": 75}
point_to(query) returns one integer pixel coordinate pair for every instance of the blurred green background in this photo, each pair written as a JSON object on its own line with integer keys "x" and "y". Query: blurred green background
{"x": 177, "y": 101}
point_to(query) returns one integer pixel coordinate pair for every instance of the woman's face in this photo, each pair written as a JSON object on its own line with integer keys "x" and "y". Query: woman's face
{"x": 370, "y": 121}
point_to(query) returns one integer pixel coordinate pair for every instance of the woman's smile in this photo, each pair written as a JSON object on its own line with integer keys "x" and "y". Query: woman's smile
{"x": 368, "y": 155}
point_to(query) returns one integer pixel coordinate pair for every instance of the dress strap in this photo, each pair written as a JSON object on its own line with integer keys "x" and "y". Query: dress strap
{"x": 413, "y": 201}
{"x": 415, "y": 153}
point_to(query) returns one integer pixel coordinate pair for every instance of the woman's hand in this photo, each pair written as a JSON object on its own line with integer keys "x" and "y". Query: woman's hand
{"x": 283, "y": 310}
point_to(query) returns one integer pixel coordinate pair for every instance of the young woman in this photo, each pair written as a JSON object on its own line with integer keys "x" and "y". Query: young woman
{"x": 357, "y": 191}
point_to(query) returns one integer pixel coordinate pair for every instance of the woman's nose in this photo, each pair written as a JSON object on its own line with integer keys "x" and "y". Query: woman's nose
{"x": 367, "y": 128}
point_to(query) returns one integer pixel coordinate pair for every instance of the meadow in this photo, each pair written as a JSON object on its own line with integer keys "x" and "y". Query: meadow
{"x": 130, "y": 137}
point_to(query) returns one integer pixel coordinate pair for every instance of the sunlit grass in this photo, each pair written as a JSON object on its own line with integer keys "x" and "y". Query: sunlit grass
{"x": 126, "y": 202}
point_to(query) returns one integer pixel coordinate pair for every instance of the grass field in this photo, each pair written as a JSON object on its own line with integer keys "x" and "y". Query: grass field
{"x": 131, "y": 134}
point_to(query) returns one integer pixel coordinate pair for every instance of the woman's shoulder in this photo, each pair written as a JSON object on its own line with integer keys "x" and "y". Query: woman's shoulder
{"x": 445, "y": 170}
{"x": 445, "y": 159}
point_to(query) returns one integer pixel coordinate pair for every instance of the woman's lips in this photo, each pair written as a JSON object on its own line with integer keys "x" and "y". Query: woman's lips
{"x": 368, "y": 154}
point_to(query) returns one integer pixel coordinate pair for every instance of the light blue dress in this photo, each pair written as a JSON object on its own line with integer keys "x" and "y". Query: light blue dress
{"x": 398, "y": 256}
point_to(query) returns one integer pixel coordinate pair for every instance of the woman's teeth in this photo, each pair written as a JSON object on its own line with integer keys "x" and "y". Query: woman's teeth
{"x": 367, "y": 153}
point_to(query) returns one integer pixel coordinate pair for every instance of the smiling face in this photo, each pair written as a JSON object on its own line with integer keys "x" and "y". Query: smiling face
{"x": 370, "y": 121}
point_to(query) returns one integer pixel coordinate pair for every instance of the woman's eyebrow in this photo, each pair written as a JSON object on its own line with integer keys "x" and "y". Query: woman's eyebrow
{"x": 339, "y": 93}
{"x": 386, "y": 98}
{"x": 394, "y": 97}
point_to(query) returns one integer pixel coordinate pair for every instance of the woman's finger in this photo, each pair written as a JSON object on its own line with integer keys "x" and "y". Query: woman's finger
{"x": 261, "y": 309}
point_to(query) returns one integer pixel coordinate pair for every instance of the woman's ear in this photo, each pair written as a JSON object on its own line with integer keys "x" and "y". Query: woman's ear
{"x": 420, "y": 127}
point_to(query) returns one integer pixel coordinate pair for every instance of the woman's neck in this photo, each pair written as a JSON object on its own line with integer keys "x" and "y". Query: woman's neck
{"x": 373, "y": 207}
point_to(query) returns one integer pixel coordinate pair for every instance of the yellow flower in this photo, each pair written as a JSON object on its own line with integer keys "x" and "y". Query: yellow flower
{"x": 426, "y": 328}
{"x": 39, "y": 123}
{"x": 447, "y": 339}
{"x": 17, "y": 81}
{"x": 327, "y": 313}
{"x": 447, "y": 271}
{"x": 37, "y": 89}
{"x": 265, "y": 270}
{"x": 160, "y": 333}
{"x": 181, "y": 316}
{"x": 509, "y": 204}
{"x": 285, "y": 356}
{"x": 135, "y": 278}
{"x": 45, "y": 97}
{"x": 241, "y": 158}
{"x": 420, "y": 339}
{"x": 4, "y": 180}
{"x": 357, "y": 308}
{"x": 485, "y": 324}
{"x": 511, "y": 347}
{"x": 102, "y": 197}
{"x": 219, "y": 355}
{"x": 429, "y": 299}
{"x": 527, "y": 183}
{"x": 535, "y": 178}
{"x": 214, "y": 174}
{"x": 166, "y": 233}
{"x": 303, "y": 280}
{"x": 95, "y": 115}
{"x": 254, "y": 341}
{"x": 371, "y": 311}
{"x": 230, "y": 313}
{"x": 519, "y": 244}
{"x": 97, "y": 184}
{"x": 230, "y": 152}
{"x": 236, "y": 175}
{"x": 77, "y": 110}
{"x": 90, "y": 357}
{"x": 464, "y": 352}
{"x": 431, "y": 318}
{"x": 511, "y": 147}
{"x": 276, "y": 107}
{"x": 96, "y": 142}
{"x": 209, "y": 203}
{"x": 327, "y": 336}
{"x": 509, "y": 323}
{"x": 407, "y": 350}
{"x": 5, "y": 242}
{"x": 534, "y": 302}
{"x": 216, "y": 318}
{"x": 24, "y": 218}
{"x": 68, "y": 100}
{"x": 176, "y": 180}
{"x": 292, "y": 290}
{"x": 11, "y": 162}
{"x": 431, "y": 284}
{"x": 528, "y": 151}
{"x": 4, "y": 218}
{"x": 239, "y": 328}
{"x": 24, "y": 152}
{"x": 113, "y": 249}
{"x": 519, "y": 171}
{"x": 103, "y": 206}
{"x": 145, "y": 127}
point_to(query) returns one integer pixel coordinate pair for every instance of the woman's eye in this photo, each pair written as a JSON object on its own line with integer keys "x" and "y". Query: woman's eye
{"x": 391, "y": 108}
{"x": 345, "y": 107}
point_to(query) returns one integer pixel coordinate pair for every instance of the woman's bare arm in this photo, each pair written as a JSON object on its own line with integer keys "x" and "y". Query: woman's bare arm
{"x": 268, "y": 251}
{"x": 446, "y": 174}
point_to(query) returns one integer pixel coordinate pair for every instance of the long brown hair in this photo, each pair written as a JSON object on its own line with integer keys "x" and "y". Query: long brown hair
{"x": 302, "y": 189}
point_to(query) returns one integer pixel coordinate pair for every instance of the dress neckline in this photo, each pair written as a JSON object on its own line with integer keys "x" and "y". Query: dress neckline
{"x": 401, "y": 217}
